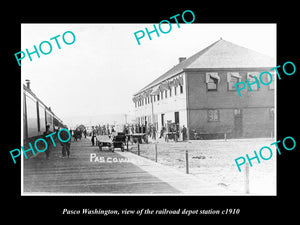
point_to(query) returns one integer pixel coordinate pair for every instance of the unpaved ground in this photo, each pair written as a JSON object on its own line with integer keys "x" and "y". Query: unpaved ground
{"x": 213, "y": 161}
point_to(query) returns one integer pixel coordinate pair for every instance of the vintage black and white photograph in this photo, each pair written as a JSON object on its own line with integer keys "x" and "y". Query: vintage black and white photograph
{"x": 148, "y": 109}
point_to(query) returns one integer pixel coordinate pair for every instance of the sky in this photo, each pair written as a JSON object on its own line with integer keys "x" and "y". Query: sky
{"x": 98, "y": 74}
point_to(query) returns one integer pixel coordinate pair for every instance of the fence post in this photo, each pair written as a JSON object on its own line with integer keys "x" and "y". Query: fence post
{"x": 247, "y": 188}
{"x": 187, "y": 161}
{"x": 225, "y": 136}
{"x": 155, "y": 151}
{"x": 138, "y": 148}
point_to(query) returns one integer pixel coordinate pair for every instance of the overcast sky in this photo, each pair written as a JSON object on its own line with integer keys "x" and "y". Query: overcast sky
{"x": 99, "y": 73}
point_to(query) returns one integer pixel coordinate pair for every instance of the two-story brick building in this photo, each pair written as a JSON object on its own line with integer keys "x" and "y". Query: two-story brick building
{"x": 199, "y": 93}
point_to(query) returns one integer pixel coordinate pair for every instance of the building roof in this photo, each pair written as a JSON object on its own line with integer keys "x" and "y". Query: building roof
{"x": 220, "y": 54}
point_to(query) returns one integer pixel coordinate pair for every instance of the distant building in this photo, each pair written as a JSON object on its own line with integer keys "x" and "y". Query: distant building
{"x": 199, "y": 93}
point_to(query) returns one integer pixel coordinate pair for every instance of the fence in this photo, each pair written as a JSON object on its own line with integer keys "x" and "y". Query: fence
{"x": 211, "y": 161}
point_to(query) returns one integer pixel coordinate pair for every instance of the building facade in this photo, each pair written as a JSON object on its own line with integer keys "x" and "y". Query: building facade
{"x": 199, "y": 93}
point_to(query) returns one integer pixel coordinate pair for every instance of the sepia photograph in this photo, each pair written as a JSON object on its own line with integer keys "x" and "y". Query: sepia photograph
{"x": 141, "y": 109}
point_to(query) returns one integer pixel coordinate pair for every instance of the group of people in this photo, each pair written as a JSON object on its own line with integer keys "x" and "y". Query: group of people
{"x": 173, "y": 132}
{"x": 102, "y": 129}
{"x": 150, "y": 130}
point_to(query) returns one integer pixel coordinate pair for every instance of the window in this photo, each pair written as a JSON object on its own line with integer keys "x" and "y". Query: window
{"x": 166, "y": 93}
{"x": 237, "y": 112}
{"x": 49, "y": 119}
{"x": 181, "y": 89}
{"x": 154, "y": 97}
{"x": 213, "y": 115}
{"x": 231, "y": 84}
{"x": 162, "y": 95}
{"x": 212, "y": 84}
{"x": 42, "y": 118}
{"x": 158, "y": 97}
{"x": 175, "y": 90}
{"x": 212, "y": 80}
{"x": 232, "y": 79}
{"x": 170, "y": 92}
{"x": 252, "y": 81}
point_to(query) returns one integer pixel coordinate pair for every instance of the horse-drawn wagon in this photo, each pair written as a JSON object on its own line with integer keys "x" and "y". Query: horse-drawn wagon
{"x": 117, "y": 140}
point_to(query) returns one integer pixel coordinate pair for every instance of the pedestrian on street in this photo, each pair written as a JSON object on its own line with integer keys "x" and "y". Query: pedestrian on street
{"x": 184, "y": 134}
{"x": 162, "y": 132}
{"x": 65, "y": 145}
{"x": 93, "y": 138}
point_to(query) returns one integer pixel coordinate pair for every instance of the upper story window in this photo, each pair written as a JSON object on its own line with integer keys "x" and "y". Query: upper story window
{"x": 253, "y": 80}
{"x": 232, "y": 79}
{"x": 212, "y": 81}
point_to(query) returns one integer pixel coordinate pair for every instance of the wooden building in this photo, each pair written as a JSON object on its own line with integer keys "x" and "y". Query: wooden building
{"x": 199, "y": 93}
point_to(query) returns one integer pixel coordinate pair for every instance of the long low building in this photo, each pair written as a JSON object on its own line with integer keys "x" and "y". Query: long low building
{"x": 199, "y": 93}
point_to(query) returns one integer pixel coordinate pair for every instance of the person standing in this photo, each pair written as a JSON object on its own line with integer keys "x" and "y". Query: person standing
{"x": 93, "y": 138}
{"x": 65, "y": 145}
{"x": 184, "y": 134}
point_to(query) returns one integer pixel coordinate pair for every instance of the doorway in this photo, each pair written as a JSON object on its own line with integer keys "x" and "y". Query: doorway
{"x": 162, "y": 120}
{"x": 238, "y": 123}
{"x": 176, "y": 116}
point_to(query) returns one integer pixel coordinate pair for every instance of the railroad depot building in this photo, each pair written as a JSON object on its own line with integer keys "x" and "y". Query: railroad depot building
{"x": 199, "y": 93}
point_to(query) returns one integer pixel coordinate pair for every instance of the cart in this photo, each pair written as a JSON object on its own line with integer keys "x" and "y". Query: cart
{"x": 104, "y": 141}
{"x": 118, "y": 141}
